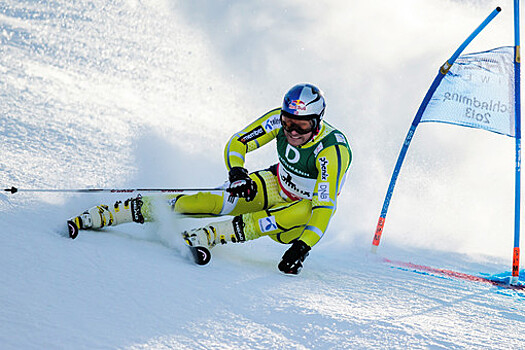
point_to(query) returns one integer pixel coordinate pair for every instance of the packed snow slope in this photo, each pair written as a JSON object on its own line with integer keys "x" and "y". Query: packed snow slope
{"x": 129, "y": 93}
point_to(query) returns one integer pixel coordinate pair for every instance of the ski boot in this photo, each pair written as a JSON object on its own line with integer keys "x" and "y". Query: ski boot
{"x": 201, "y": 240}
{"x": 215, "y": 233}
{"x": 101, "y": 216}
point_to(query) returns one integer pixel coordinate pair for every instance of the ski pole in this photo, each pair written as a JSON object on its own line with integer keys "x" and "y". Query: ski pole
{"x": 112, "y": 190}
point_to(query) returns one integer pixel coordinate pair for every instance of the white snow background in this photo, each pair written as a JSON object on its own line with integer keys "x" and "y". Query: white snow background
{"x": 116, "y": 93}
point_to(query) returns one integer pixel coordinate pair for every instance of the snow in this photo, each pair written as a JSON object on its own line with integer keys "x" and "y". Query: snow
{"x": 129, "y": 93}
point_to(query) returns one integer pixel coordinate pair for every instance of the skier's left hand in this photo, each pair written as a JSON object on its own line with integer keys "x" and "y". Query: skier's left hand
{"x": 292, "y": 260}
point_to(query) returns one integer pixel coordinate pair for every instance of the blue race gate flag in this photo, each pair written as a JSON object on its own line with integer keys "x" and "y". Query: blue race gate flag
{"x": 478, "y": 92}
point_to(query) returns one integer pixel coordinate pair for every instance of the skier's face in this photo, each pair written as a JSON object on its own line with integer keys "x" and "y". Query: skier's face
{"x": 297, "y": 132}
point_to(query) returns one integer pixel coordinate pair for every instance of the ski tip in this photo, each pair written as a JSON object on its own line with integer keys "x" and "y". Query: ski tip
{"x": 72, "y": 229}
{"x": 201, "y": 255}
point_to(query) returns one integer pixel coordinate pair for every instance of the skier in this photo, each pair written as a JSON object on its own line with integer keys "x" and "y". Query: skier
{"x": 292, "y": 201}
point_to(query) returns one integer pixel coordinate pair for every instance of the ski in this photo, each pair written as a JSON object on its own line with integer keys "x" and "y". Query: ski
{"x": 201, "y": 255}
{"x": 73, "y": 227}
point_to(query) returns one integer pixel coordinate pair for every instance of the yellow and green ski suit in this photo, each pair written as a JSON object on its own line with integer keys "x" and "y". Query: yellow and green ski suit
{"x": 296, "y": 198}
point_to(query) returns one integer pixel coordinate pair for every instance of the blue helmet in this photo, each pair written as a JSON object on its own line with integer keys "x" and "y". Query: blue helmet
{"x": 305, "y": 102}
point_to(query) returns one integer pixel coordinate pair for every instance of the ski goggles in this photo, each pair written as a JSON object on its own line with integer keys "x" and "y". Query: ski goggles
{"x": 300, "y": 126}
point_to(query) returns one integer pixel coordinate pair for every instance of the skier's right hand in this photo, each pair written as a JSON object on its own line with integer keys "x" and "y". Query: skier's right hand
{"x": 241, "y": 185}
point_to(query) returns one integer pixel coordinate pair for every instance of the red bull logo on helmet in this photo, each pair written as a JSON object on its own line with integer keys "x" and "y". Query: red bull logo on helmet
{"x": 297, "y": 105}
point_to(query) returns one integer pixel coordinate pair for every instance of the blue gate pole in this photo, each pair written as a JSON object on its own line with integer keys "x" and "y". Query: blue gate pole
{"x": 437, "y": 80}
{"x": 517, "y": 110}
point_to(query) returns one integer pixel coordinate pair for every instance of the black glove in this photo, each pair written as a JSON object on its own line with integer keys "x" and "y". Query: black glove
{"x": 292, "y": 260}
{"x": 241, "y": 185}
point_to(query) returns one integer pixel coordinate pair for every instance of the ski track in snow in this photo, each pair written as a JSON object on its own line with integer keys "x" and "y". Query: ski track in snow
{"x": 111, "y": 93}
